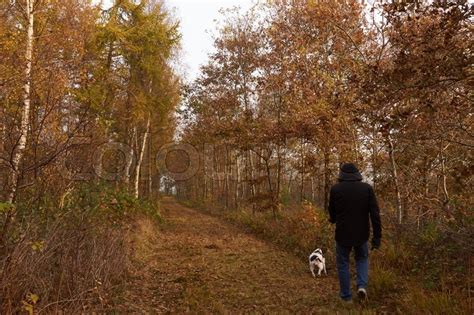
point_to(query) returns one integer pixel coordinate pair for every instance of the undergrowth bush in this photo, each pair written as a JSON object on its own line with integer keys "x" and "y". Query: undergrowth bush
{"x": 417, "y": 270}
{"x": 297, "y": 229}
{"x": 70, "y": 256}
{"x": 415, "y": 300}
{"x": 383, "y": 282}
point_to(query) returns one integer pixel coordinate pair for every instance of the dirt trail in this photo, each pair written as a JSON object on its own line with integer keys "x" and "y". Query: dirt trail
{"x": 199, "y": 263}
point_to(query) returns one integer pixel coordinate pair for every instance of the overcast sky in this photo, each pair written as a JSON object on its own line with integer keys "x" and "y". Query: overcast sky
{"x": 197, "y": 25}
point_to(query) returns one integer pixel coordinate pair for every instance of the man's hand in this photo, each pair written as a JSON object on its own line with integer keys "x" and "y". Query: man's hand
{"x": 375, "y": 243}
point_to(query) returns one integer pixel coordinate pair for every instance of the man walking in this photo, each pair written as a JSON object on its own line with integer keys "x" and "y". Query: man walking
{"x": 351, "y": 204}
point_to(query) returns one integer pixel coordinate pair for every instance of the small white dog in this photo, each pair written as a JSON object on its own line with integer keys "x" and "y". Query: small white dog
{"x": 316, "y": 259}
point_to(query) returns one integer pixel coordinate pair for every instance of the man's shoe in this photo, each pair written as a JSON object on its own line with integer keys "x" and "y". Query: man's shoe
{"x": 362, "y": 294}
{"x": 345, "y": 303}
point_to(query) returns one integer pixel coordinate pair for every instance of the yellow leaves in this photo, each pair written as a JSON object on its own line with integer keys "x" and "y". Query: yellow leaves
{"x": 30, "y": 302}
{"x": 28, "y": 307}
{"x": 37, "y": 246}
{"x": 5, "y": 207}
{"x": 33, "y": 298}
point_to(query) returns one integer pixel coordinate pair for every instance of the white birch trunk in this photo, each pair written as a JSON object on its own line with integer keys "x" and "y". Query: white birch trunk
{"x": 129, "y": 162}
{"x": 140, "y": 159}
{"x": 19, "y": 149}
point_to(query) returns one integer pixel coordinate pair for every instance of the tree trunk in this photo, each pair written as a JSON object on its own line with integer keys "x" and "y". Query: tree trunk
{"x": 391, "y": 152}
{"x": 374, "y": 158}
{"x": 129, "y": 162}
{"x": 278, "y": 183}
{"x": 251, "y": 174}
{"x": 226, "y": 178}
{"x": 204, "y": 158}
{"x": 326, "y": 178}
{"x": 269, "y": 175}
{"x": 140, "y": 159}
{"x": 237, "y": 181}
{"x": 20, "y": 147}
{"x": 150, "y": 166}
{"x": 446, "y": 198}
{"x": 290, "y": 181}
{"x": 214, "y": 191}
{"x": 302, "y": 170}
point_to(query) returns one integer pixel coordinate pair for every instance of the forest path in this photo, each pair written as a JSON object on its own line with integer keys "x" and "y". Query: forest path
{"x": 199, "y": 263}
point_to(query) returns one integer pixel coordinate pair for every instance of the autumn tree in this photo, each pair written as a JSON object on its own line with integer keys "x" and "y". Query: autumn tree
{"x": 294, "y": 89}
{"x": 418, "y": 97}
{"x": 136, "y": 88}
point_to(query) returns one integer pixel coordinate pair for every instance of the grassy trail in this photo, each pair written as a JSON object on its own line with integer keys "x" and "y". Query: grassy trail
{"x": 199, "y": 263}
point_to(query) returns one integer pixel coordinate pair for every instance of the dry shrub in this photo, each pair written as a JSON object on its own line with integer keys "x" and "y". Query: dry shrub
{"x": 419, "y": 271}
{"x": 415, "y": 300}
{"x": 71, "y": 260}
{"x": 297, "y": 229}
{"x": 70, "y": 268}
{"x": 383, "y": 282}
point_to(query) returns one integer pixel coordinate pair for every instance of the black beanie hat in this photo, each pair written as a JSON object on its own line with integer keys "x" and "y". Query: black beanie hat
{"x": 349, "y": 172}
{"x": 349, "y": 168}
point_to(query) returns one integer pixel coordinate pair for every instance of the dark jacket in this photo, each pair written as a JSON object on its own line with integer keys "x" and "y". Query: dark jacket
{"x": 351, "y": 203}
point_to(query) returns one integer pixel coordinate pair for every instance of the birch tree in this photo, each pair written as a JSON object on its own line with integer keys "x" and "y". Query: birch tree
{"x": 18, "y": 150}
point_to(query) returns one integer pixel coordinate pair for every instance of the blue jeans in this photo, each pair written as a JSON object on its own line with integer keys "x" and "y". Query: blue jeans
{"x": 343, "y": 268}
